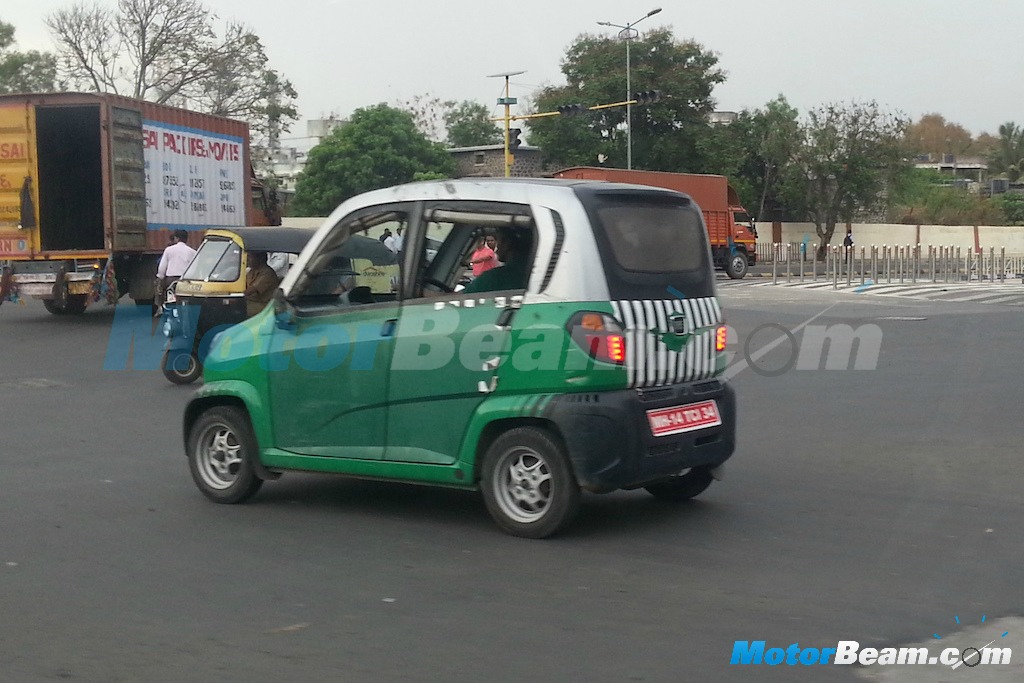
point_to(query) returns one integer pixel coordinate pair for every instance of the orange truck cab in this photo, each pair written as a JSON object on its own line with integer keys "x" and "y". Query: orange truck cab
{"x": 730, "y": 227}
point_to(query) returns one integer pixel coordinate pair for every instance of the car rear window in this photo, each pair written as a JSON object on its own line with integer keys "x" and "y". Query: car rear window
{"x": 652, "y": 242}
{"x": 653, "y": 238}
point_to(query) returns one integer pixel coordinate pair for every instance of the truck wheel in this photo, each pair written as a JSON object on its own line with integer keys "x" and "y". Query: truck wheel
{"x": 221, "y": 449}
{"x": 528, "y": 483}
{"x": 683, "y": 487}
{"x": 76, "y": 304}
{"x": 736, "y": 267}
{"x": 181, "y": 367}
{"x": 54, "y": 307}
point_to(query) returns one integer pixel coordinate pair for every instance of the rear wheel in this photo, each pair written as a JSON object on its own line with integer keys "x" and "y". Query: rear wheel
{"x": 221, "y": 453}
{"x": 54, "y": 306}
{"x": 74, "y": 304}
{"x": 736, "y": 267}
{"x": 181, "y": 367}
{"x": 684, "y": 487}
{"x": 528, "y": 483}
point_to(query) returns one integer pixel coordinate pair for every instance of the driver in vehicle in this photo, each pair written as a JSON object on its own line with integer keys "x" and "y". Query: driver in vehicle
{"x": 513, "y": 249}
{"x": 260, "y": 283}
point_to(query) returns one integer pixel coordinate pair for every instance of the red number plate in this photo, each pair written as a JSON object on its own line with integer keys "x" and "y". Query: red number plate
{"x": 688, "y": 418}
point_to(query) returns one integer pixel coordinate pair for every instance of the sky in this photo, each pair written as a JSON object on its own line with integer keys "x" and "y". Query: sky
{"x": 915, "y": 57}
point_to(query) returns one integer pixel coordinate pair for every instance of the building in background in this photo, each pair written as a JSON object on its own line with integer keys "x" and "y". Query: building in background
{"x": 285, "y": 163}
{"x": 489, "y": 161}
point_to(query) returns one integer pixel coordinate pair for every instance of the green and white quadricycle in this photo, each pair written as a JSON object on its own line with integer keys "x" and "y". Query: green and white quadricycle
{"x": 588, "y": 359}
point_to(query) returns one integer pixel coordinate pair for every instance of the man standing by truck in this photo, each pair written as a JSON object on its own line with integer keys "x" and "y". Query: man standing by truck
{"x": 173, "y": 263}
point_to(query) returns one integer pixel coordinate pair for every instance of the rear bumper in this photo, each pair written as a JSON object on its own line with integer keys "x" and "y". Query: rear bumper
{"x": 609, "y": 439}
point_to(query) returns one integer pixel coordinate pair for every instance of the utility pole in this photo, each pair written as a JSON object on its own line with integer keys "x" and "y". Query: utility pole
{"x": 507, "y": 101}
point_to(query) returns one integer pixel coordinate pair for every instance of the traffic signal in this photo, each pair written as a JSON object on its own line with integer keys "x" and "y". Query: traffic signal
{"x": 513, "y": 138}
{"x": 647, "y": 96}
{"x": 571, "y": 109}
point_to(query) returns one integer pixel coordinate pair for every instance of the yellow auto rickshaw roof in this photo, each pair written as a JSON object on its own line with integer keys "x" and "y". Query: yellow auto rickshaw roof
{"x": 286, "y": 240}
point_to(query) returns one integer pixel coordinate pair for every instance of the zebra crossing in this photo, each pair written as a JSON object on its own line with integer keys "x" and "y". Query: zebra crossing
{"x": 1010, "y": 293}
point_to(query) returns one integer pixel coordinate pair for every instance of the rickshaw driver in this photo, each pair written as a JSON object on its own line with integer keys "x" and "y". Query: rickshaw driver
{"x": 260, "y": 283}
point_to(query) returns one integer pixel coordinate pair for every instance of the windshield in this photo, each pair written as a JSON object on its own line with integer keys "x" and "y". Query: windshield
{"x": 218, "y": 260}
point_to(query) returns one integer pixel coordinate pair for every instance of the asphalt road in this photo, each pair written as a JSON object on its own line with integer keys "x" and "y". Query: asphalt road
{"x": 868, "y": 505}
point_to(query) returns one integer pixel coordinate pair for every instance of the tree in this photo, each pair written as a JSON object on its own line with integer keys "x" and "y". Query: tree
{"x": 469, "y": 125}
{"x": 664, "y": 134}
{"x": 24, "y": 72}
{"x": 1008, "y": 157}
{"x": 849, "y": 157}
{"x": 428, "y": 112}
{"x": 777, "y": 138}
{"x": 753, "y": 150}
{"x": 932, "y": 134}
{"x": 168, "y": 51}
{"x": 380, "y": 146}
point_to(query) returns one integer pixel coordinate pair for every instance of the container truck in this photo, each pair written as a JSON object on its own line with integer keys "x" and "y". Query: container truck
{"x": 730, "y": 228}
{"x": 93, "y": 185}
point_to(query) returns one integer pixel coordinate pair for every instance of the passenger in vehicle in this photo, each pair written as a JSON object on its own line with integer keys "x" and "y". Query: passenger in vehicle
{"x": 260, "y": 283}
{"x": 513, "y": 250}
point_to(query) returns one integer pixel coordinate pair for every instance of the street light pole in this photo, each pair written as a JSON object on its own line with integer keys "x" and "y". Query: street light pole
{"x": 627, "y": 33}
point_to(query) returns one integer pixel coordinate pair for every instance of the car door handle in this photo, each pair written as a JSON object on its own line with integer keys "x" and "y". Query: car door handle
{"x": 505, "y": 317}
{"x": 388, "y": 328}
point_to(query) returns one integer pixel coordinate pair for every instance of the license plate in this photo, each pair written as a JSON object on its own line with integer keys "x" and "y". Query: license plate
{"x": 679, "y": 419}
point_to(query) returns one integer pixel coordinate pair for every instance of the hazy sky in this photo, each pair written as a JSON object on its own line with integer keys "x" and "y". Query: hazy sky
{"x": 916, "y": 56}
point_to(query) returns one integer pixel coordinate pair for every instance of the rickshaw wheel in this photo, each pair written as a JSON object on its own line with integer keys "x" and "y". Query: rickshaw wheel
{"x": 180, "y": 367}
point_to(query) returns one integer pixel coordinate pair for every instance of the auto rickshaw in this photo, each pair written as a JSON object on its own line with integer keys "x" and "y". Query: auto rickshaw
{"x": 210, "y": 295}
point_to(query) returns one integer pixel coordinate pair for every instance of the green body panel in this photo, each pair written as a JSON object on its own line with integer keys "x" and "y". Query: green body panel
{"x": 414, "y": 409}
{"x": 436, "y": 373}
{"x": 249, "y": 395}
{"x": 456, "y": 475}
{"x": 498, "y": 408}
{"x": 329, "y": 382}
{"x": 546, "y": 359}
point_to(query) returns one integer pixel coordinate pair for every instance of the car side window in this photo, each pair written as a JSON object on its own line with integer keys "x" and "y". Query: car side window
{"x": 453, "y": 231}
{"x": 353, "y": 266}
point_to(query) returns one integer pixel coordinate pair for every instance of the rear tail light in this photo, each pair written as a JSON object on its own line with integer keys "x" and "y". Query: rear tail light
{"x": 721, "y": 337}
{"x": 600, "y": 335}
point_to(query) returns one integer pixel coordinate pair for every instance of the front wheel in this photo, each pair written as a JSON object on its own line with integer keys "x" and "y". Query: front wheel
{"x": 736, "y": 268}
{"x": 683, "y": 487}
{"x": 181, "y": 367}
{"x": 221, "y": 450}
{"x": 528, "y": 483}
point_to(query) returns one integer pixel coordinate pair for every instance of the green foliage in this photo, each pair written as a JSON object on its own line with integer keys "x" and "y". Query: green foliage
{"x": 469, "y": 125}
{"x": 1008, "y": 156}
{"x": 847, "y": 160}
{"x": 380, "y": 146}
{"x": 925, "y": 196}
{"x": 24, "y": 72}
{"x": 753, "y": 150}
{"x": 1012, "y": 206}
{"x": 945, "y": 205}
{"x": 664, "y": 134}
